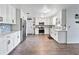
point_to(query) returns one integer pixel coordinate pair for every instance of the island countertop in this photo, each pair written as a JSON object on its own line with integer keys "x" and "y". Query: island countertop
{"x": 3, "y": 34}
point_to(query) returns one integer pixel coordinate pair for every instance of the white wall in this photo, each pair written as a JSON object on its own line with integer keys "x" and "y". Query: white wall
{"x": 72, "y": 27}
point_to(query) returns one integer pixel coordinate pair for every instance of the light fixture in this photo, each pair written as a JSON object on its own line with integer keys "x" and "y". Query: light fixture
{"x": 45, "y": 9}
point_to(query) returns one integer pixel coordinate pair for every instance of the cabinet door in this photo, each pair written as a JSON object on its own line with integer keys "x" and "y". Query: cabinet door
{"x": 3, "y": 13}
{"x": 3, "y": 46}
{"x": 54, "y": 20}
{"x": 3, "y": 10}
{"x": 56, "y": 36}
{"x": 9, "y": 16}
{"x": 22, "y": 14}
{"x": 16, "y": 39}
{"x": 13, "y": 15}
{"x": 10, "y": 43}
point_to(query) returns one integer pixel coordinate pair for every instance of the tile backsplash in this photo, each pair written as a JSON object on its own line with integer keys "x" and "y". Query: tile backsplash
{"x": 4, "y": 28}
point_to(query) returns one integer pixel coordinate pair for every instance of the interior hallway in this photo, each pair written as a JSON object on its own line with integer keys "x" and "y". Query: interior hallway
{"x": 41, "y": 45}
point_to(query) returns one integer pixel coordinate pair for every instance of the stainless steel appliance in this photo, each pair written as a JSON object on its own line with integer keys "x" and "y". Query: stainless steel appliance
{"x": 41, "y": 30}
{"x": 41, "y": 27}
{"x": 23, "y": 29}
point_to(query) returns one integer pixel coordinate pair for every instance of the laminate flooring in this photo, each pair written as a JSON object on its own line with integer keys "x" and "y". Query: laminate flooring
{"x": 42, "y": 45}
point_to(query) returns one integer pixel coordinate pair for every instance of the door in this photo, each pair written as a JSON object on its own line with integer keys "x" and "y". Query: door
{"x": 72, "y": 26}
{"x": 30, "y": 29}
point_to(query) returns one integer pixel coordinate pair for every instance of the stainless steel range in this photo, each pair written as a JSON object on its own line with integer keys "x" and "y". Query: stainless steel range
{"x": 41, "y": 27}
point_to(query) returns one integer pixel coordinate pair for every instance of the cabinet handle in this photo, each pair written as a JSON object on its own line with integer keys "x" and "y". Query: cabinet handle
{"x": 8, "y": 42}
{"x": 13, "y": 21}
{"x": 1, "y": 19}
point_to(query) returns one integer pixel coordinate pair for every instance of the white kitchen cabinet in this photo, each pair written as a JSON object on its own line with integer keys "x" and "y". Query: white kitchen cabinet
{"x": 9, "y": 43}
{"x": 62, "y": 37}
{"x": 7, "y": 14}
{"x": 50, "y": 21}
{"x": 59, "y": 36}
{"x": 47, "y": 21}
{"x": 11, "y": 15}
{"x": 22, "y": 14}
{"x": 3, "y": 46}
{"x": 36, "y": 21}
{"x": 36, "y": 30}
{"x": 54, "y": 20}
{"x": 46, "y": 30}
{"x": 16, "y": 38}
{"x": 61, "y": 18}
{"x": 12, "y": 40}
{"x": 3, "y": 15}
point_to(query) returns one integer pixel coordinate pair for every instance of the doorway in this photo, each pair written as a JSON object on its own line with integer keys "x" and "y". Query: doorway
{"x": 30, "y": 29}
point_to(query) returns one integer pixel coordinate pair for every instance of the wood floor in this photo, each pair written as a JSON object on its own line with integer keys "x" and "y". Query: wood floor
{"x": 42, "y": 45}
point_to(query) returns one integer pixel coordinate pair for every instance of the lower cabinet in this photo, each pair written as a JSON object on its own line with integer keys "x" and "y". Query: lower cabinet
{"x": 59, "y": 36}
{"x": 62, "y": 37}
{"x": 13, "y": 41}
{"x": 3, "y": 46}
{"x": 16, "y": 38}
{"x": 9, "y": 42}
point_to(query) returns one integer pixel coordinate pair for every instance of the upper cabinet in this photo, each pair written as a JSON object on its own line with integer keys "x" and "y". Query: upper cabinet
{"x": 54, "y": 20}
{"x": 7, "y": 14}
{"x": 3, "y": 14}
{"x": 23, "y": 15}
{"x": 60, "y": 18}
{"x": 11, "y": 14}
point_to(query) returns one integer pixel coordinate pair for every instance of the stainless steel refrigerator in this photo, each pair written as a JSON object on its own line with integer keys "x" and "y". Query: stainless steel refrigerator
{"x": 23, "y": 29}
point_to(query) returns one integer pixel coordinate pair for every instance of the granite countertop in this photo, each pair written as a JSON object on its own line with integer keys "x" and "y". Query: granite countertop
{"x": 59, "y": 30}
{"x": 37, "y": 26}
{"x": 3, "y": 34}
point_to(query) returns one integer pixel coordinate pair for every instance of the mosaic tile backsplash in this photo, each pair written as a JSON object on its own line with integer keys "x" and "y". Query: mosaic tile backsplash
{"x": 5, "y": 28}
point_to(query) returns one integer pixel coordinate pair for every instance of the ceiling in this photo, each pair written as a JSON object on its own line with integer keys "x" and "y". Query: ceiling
{"x": 34, "y": 9}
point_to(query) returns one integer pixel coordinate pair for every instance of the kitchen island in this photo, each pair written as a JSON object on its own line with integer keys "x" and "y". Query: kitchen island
{"x": 60, "y": 36}
{"x": 8, "y": 41}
